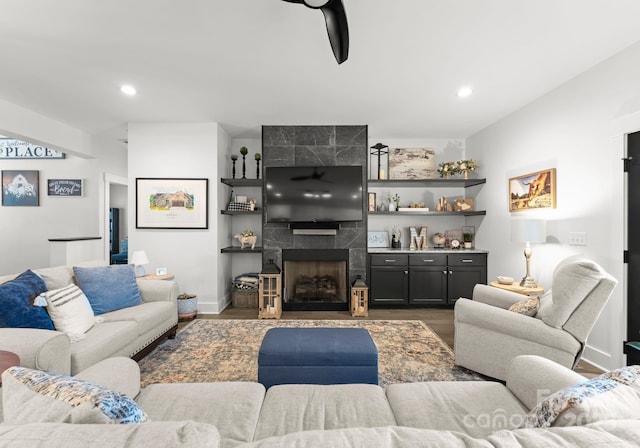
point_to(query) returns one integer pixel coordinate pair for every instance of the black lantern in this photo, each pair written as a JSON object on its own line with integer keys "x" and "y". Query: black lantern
{"x": 379, "y": 150}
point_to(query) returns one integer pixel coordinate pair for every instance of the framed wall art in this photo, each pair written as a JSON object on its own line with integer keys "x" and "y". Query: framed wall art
{"x": 412, "y": 163}
{"x": 20, "y": 188}
{"x": 65, "y": 188}
{"x": 172, "y": 203}
{"x": 371, "y": 202}
{"x": 378, "y": 239}
{"x": 533, "y": 191}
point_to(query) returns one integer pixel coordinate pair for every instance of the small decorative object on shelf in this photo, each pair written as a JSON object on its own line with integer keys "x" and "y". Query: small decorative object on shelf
{"x": 463, "y": 205}
{"x": 234, "y": 158}
{"x": 418, "y": 241}
{"x": 446, "y": 169}
{"x": 187, "y": 306}
{"x": 244, "y": 151}
{"x": 396, "y": 240}
{"x": 443, "y": 205}
{"x": 270, "y": 306}
{"x": 380, "y": 150}
{"x": 359, "y": 298}
{"x": 258, "y": 157}
{"x": 468, "y": 234}
{"x": 246, "y": 238}
{"x": 438, "y": 239}
{"x": 396, "y": 201}
{"x": 464, "y": 166}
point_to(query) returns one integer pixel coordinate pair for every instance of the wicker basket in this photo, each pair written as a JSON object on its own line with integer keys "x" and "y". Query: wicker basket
{"x": 243, "y": 298}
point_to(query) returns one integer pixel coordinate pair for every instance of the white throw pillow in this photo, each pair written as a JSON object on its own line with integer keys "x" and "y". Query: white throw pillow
{"x": 69, "y": 310}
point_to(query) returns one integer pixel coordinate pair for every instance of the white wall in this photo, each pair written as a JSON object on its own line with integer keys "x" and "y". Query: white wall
{"x": 180, "y": 150}
{"x": 571, "y": 129}
{"x": 26, "y": 230}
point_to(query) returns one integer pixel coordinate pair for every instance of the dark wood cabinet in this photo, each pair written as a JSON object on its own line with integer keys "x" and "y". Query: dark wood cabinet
{"x": 388, "y": 279}
{"x": 425, "y": 278}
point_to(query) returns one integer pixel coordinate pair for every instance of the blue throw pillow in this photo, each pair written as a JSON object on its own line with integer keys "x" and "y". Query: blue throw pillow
{"x": 109, "y": 288}
{"x": 16, "y": 303}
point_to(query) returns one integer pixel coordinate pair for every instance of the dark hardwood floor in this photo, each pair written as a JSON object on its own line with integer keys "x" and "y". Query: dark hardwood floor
{"x": 440, "y": 320}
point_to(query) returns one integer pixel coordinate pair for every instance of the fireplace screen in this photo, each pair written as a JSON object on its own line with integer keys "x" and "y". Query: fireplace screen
{"x": 315, "y": 281}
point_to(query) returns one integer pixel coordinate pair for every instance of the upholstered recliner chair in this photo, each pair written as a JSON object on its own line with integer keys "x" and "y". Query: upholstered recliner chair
{"x": 488, "y": 336}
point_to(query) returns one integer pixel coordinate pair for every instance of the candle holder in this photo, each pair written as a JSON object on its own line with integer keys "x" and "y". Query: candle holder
{"x": 234, "y": 158}
{"x": 258, "y": 157}
{"x": 379, "y": 150}
{"x": 244, "y": 152}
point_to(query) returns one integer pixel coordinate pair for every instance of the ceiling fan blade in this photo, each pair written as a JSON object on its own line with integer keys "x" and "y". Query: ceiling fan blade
{"x": 336, "y": 18}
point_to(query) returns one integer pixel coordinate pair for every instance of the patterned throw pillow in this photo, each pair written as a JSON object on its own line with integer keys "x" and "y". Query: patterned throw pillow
{"x": 528, "y": 306}
{"x": 34, "y": 396}
{"x": 612, "y": 395}
{"x": 69, "y": 310}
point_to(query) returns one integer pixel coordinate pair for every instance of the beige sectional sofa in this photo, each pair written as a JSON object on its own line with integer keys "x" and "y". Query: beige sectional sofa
{"x": 433, "y": 414}
{"x": 130, "y": 332}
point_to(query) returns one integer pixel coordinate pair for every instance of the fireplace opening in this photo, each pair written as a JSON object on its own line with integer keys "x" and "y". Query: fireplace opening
{"x": 315, "y": 279}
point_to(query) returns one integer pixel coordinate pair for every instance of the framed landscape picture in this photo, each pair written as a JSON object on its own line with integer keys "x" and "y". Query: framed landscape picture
{"x": 172, "y": 203}
{"x": 412, "y": 163}
{"x": 533, "y": 191}
{"x": 20, "y": 188}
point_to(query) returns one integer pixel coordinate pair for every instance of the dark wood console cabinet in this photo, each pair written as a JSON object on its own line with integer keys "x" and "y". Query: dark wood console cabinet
{"x": 424, "y": 278}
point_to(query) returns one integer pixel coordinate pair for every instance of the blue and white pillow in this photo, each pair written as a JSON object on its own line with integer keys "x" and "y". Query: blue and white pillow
{"x": 612, "y": 395}
{"x": 70, "y": 310}
{"x": 34, "y": 396}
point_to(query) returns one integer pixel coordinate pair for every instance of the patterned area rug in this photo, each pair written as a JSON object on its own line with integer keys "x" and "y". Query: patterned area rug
{"x": 227, "y": 350}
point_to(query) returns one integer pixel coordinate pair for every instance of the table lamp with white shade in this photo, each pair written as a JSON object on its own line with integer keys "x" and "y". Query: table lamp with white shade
{"x": 528, "y": 231}
{"x": 139, "y": 259}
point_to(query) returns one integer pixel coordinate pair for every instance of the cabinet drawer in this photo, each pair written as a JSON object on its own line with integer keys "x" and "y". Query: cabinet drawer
{"x": 389, "y": 260}
{"x": 468, "y": 260}
{"x": 428, "y": 259}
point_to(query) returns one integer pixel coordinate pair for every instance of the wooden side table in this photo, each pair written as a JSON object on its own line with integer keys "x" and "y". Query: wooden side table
{"x": 7, "y": 359}
{"x": 157, "y": 277}
{"x": 515, "y": 287}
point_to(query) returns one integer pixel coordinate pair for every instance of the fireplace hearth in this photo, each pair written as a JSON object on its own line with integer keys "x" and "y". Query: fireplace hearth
{"x": 315, "y": 279}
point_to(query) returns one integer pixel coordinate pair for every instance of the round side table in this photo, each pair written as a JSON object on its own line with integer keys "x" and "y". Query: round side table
{"x": 7, "y": 359}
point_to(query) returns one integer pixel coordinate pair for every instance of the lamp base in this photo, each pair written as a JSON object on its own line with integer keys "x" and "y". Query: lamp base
{"x": 140, "y": 271}
{"x": 528, "y": 282}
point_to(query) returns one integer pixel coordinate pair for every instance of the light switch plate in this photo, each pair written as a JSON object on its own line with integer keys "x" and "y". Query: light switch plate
{"x": 578, "y": 238}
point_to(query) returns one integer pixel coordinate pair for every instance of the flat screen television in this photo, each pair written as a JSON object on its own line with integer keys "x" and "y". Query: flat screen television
{"x": 318, "y": 194}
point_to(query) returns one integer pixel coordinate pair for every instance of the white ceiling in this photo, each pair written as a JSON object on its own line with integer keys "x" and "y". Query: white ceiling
{"x": 244, "y": 63}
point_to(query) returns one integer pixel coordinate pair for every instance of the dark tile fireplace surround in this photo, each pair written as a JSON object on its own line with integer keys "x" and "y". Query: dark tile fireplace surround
{"x": 317, "y": 146}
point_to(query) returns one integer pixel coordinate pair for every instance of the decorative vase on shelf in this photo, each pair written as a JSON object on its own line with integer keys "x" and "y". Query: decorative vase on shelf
{"x": 465, "y": 174}
{"x": 392, "y": 207}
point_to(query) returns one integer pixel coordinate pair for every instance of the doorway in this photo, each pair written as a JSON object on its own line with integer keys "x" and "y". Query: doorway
{"x": 115, "y": 195}
{"x": 633, "y": 246}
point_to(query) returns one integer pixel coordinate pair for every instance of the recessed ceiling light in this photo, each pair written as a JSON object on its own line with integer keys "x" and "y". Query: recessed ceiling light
{"x": 464, "y": 92}
{"x": 128, "y": 90}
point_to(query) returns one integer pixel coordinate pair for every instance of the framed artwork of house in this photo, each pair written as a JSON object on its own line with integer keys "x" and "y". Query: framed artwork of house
{"x": 20, "y": 188}
{"x": 172, "y": 203}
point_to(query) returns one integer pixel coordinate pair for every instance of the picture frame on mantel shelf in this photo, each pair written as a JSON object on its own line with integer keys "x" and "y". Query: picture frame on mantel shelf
{"x": 533, "y": 191}
{"x": 412, "y": 163}
{"x": 172, "y": 203}
{"x": 371, "y": 202}
{"x": 378, "y": 239}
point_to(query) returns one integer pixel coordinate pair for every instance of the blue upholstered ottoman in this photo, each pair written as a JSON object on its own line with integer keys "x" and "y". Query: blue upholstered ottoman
{"x": 317, "y": 356}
